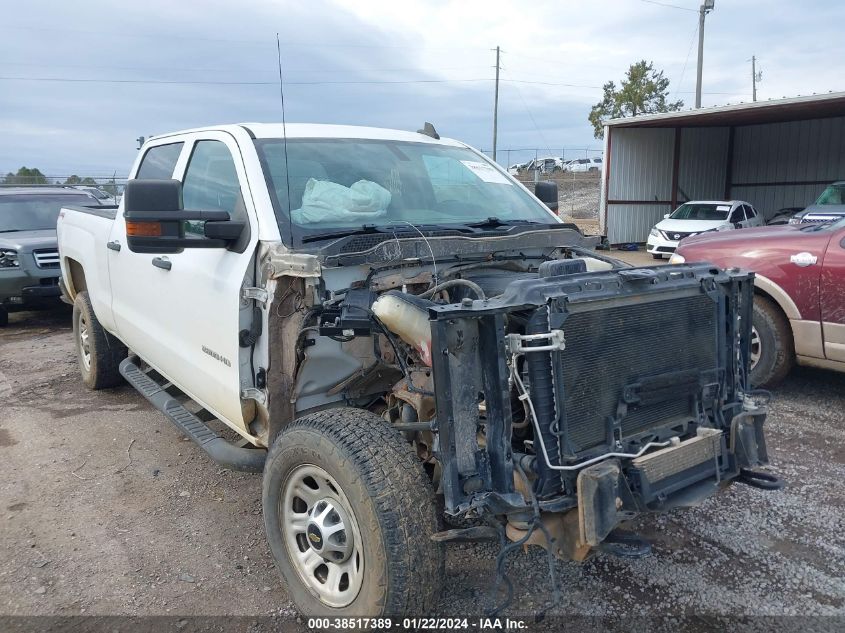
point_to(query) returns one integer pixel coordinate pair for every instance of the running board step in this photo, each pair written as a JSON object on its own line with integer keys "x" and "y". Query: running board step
{"x": 222, "y": 451}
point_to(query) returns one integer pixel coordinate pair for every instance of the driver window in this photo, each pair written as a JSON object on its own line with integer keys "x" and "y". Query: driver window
{"x": 737, "y": 215}
{"x": 210, "y": 182}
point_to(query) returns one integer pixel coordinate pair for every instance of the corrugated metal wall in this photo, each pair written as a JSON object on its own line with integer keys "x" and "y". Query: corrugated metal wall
{"x": 703, "y": 162}
{"x": 632, "y": 222}
{"x": 640, "y": 170}
{"x": 791, "y": 152}
{"x": 770, "y": 163}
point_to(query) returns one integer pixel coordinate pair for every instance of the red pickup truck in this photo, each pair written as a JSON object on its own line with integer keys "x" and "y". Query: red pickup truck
{"x": 799, "y": 304}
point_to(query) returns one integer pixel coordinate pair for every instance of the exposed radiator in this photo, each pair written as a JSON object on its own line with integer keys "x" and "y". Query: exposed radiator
{"x": 609, "y": 348}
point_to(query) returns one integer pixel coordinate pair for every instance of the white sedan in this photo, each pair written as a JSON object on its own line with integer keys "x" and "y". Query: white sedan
{"x": 694, "y": 217}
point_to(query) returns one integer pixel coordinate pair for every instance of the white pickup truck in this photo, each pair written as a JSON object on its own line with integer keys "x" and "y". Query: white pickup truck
{"x": 401, "y": 334}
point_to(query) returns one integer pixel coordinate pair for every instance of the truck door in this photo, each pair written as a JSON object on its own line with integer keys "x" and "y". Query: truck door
{"x": 833, "y": 298}
{"x": 127, "y": 270}
{"x": 183, "y": 311}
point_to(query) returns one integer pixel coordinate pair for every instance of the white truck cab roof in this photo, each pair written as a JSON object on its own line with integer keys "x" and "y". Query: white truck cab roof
{"x": 318, "y": 130}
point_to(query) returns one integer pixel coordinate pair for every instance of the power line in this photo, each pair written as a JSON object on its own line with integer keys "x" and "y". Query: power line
{"x": 293, "y": 83}
{"x": 496, "y": 102}
{"x": 533, "y": 122}
{"x": 224, "y": 70}
{"x": 550, "y": 83}
{"x": 268, "y": 42}
{"x": 200, "y": 82}
{"x": 670, "y": 6}
{"x": 686, "y": 61}
{"x": 241, "y": 83}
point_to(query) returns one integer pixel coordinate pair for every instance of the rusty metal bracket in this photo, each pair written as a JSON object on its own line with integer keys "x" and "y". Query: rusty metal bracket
{"x": 259, "y": 295}
{"x": 286, "y": 264}
{"x": 251, "y": 393}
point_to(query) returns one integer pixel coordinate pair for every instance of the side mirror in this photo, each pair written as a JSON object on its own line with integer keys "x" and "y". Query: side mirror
{"x": 155, "y": 220}
{"x": 546, "y": 192}
{"x": 666, "y": 216}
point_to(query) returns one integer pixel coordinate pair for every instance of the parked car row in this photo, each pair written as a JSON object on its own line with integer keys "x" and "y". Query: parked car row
{"x": 799, "y": 262}
{"x": 554, "y": 164}
{"x": 696, "y": 217}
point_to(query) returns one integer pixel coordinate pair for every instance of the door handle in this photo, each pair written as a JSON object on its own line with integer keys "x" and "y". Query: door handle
{"x": 114, "y": 246}
{"x": 161, "y": 262}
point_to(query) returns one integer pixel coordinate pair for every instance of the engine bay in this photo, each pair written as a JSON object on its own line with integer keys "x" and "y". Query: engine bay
{"x": 537, "y": 382}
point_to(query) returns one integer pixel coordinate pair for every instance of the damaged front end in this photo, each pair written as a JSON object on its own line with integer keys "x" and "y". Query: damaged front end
{"x": 550, "y": 391}
{"x": 581, "y": 400}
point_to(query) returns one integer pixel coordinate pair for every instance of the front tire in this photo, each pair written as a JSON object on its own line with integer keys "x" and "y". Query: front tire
{"x": 349, "y": 513}
{"x": 99, "y": 353}
{"x": 657, "y": 256}
{"x": 772, "y": 347}
{"x": 4, "y": 317}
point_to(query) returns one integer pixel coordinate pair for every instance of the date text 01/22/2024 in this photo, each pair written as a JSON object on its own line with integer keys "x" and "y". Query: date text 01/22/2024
{"x": 415, "y": 624}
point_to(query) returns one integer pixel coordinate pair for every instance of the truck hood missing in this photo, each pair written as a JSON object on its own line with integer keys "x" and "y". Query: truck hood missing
{"x": 448, "y": 244}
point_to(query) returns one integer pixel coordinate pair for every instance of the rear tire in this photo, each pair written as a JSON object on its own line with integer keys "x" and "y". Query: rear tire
{"x": 357, "y": 463}
{"x": 772, "y": 349}
{"x": 99, "y": 353}
{"x": 4, "y": 317}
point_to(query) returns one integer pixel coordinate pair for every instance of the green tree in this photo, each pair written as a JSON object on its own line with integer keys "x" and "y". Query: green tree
{"x": 76, "y": 180}
{"x": 643, "y": 91}
{"x": 25, "y": 176}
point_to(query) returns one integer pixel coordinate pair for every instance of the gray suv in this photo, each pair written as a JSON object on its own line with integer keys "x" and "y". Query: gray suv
{"x": 29, "y": 254}
{"x": 829, "y": 207}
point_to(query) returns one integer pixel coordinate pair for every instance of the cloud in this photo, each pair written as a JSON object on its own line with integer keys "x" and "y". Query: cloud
{"x": 90, "y": 127}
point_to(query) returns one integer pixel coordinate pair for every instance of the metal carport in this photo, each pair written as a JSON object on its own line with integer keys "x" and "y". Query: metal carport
{"x": 773, "y": 154}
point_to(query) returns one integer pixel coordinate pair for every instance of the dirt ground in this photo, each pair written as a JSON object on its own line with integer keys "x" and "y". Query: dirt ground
{"x": 105, "y": 509}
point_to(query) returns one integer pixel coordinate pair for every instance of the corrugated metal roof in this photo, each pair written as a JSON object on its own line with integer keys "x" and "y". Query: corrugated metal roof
{"x": 770, "y": 111}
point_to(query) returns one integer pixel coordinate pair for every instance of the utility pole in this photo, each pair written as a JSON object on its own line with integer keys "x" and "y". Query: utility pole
{"x": 496, "y": 107}
{"x": 706, "y": 7}
{"x": 756, "y": 76}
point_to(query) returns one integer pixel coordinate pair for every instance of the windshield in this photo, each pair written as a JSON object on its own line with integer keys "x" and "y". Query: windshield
{"x": 347, "y": 183}
{"x": 834, "y": 194}
{"x": 33, "y": 212}
{"x": 701, "y": 211}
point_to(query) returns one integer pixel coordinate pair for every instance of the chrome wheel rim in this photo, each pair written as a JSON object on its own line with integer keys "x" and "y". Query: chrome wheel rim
{"x": 84, "y": 342}
{"x": 756, "y": 347}
{"x": 321, "y": 535}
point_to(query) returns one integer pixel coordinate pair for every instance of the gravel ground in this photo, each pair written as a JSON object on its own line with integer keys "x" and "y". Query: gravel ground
{"x": 578, "y": 194}
{"x": 106, "y": 510}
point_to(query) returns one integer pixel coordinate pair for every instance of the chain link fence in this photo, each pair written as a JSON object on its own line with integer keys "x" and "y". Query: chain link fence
{"x": 110, "y": 184}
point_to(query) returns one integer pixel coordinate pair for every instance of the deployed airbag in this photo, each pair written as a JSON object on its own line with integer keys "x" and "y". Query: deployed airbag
{"x": 326, "y": 201}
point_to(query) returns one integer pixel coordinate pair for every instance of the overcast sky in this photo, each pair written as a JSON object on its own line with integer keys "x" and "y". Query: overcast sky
{"x": 215, "y": 62}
